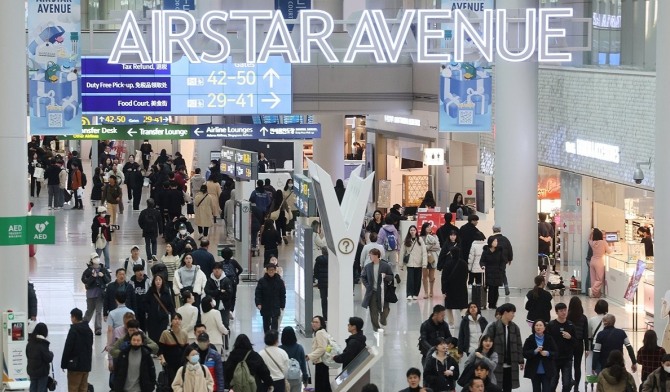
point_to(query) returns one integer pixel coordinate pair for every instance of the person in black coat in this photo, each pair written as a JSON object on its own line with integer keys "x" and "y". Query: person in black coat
{"x": 433, "y": 329}
{"x": 39, "y": 358}
{"x": 117, "y": 285}
{"x": 446, "y": 229}
{"x": 220, "y": 287}
{"x": 173, "y": 201}
{"x": 133, "y": 180}
{"x": 538, "y": 302}
{"x": 151, "y": 223}
{"x": 355, "y": 342}
{"x": 493, "y": 263}
{"x": 270, "y": 297}
{"x": 135, "y": 355}
{"x": 474, "y": 316}
{"x": 32, "y": 302}
{"x": 203, "y": 259}
{"x": 469, "y": 233}
{"x": 271, "y": 240}
{"x": 540, "y": 351}
{"x": 98, "y": 182}
{"x": 257, "y": 367}
{"x": 145, "y": 151}
{"x": 321, "y": 276}
{"x": 77, "y": 352}
{"x": 454, "y": 283}
{"x": 160, "y": 306}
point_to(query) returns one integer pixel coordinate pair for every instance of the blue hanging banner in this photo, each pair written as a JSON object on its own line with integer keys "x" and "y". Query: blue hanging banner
{"x": 290, "y": 8}
{"x": 181, "y": 5}
{"x": 54, "y": 64}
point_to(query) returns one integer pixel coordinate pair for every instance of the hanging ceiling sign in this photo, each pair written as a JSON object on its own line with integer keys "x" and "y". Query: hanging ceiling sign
{"x": 371, "y": 35}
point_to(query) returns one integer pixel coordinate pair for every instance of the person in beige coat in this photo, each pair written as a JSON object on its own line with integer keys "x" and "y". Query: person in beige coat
{"x": 214, "y": 191}
{"x": 193, "y": 377}
{"x": 414, "y": 247}
{"x": 204, "y": 204}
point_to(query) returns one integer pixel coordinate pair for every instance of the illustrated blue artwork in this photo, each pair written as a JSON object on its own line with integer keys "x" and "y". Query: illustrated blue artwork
{"x": 54, "y": 63}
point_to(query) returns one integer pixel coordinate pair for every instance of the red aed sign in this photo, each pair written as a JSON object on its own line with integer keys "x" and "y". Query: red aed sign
{"x": 436, "y": 218}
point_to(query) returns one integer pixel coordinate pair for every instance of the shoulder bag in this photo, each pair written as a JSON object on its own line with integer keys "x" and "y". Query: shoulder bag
{"x": 405, "y": 257}
{"x": 287, "y": 385}
{"x": 203, "y": 199}
{"x": 100, "y": 241}
{"x": 593, "y": 337}
{"x": 160, "y": 303}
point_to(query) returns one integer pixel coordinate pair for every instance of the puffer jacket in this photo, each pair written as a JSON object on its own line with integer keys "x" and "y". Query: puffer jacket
{"x": 418, "y": 256}
{"x": 654, "y": 383}
{"x": 39, "y": 357}
{"x": 475, "y": 257}
{"x": 607, "y": 382}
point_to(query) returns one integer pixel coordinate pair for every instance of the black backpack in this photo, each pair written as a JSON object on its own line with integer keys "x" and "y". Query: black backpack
{"x": 84, "y": 181}
{"x": 229, "y": 270}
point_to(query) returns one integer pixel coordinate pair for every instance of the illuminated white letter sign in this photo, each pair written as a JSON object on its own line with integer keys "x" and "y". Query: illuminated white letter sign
{"x": 384, "y": 39}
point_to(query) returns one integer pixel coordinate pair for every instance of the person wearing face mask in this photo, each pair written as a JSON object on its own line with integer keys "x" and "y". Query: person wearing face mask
{"x": 101, "y": 228}
{"x": 95, "y": 278}
{"x": 133, "y": 181}
{"x": 135, "y": 370}
{"x": 659, "y": 379}
{"x": 193, "y": 376}
{"x": 210, "y": 358}
{"x": 183, "y": 242}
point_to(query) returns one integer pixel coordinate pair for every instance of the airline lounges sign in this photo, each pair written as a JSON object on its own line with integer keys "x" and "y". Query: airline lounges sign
{"x": 372, "y": 35}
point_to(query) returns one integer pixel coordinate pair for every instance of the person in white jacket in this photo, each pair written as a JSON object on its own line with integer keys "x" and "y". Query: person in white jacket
{"x": 476, "y": 270}
{"x": 211, "y": 318}
{"x": 228, "y": 212}
{"x": 414, "y": 251}
{"x": 275, "y": 359}
{"x": 189, "y": 316}
{"x": 190, "y": 277}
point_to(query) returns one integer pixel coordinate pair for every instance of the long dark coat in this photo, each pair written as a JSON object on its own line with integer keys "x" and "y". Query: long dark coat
{"x": 454, "y": 284}
{"x": 494, "y": 264}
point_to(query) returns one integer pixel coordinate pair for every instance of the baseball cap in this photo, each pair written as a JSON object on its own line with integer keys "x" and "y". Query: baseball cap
{"x": 94, "y": 256}
{"x": 203, "y": 337}
{"x": 135, "y": 247}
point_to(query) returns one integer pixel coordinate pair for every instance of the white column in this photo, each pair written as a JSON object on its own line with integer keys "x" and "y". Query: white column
{"x": 13, "y": 200}
{"x": 329, "y": 150}
{"x": 516, "y": 158}
{"x": 661, "y": 165}
{"x": 298, "y": 163}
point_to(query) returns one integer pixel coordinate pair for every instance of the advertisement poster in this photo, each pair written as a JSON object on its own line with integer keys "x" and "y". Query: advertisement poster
{"x": 435, "y": 218}
{"x": 465, "y": 88}
{"x": 635, "y": 280}
{"x": 54, "y": 64}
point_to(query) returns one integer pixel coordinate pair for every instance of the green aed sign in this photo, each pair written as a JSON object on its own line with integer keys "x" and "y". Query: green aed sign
{"x": 24, "y": 230}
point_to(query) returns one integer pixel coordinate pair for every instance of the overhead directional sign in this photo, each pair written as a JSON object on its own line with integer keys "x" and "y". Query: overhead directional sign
{"x": 257, "y": 131}
{"x": 184, "y": 88}
{"x": 205, "y": 131}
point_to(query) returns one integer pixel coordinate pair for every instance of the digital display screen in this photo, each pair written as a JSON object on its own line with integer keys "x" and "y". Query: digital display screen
{"x": 184, "y": 88}
{"x": 239, "y": 164}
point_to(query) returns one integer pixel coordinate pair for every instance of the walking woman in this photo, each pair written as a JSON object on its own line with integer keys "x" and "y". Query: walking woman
{"x": 171, "y": 346}
{"x": 471, "y": 330}
{"x": 650, "y": 354}
{"x": 440, "y": 370}
{"x": 211, "y": 318}
{"x": 39, "y": 358}
{"x": 433, "y": 250}
{"x": 539, "y": 351}
{"x": 581, "y": 342}
{"x": 538, "y": 302}
{"x": 600, "y": 249}
{"x": 376, "y": 223}
{"x": 319, "y": 344}
{"x": 270, "y": 239}
{"x": 243, "y": 350}
{"x": 494, "y": 270}
{"x": 96, "y": 190}
{"x": 595, "y": 325}
{"x": 101, "y": 228}
{"x": 484, "y": 353}
{"x": 280, "y": 213}
{"x": 289, "y": 343}
{"x": 159, "y": 307}
{"x": 414, "y": 257}
{"x": 192, "y": 376}
{"x": 289, "y": 196}
{"x": 204, "y": 211}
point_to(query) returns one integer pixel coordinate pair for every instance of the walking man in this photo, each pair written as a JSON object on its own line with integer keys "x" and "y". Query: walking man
{"x": 563, "y": 332}
{"x": 372, "y": 276}
{"x": 77, "y": 353}
{"x": 508, "y": 254}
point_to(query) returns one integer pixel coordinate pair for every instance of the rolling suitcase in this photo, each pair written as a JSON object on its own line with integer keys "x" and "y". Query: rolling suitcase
{"x": 479, "y": 292}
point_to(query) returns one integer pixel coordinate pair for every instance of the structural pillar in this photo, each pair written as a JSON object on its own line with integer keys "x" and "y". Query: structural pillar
{"x": 516, "y": 157}
{"x": 661, "y": 165}
{"x": 328, "y": 152}
{"x": 13, "y": 199}
{"x": 298, "y": 157}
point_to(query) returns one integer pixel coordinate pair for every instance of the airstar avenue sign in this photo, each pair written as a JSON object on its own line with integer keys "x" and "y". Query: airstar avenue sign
{"x": 373, "y": 35}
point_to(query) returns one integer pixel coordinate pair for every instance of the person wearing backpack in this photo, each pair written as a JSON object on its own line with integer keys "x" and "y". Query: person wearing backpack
{"x": 151, "y": 223}
{"x": 233, "y": 270}
{"x": 297, "y": 374}
{"x": 134, "y": 260}
{"x": 276, "y": 360}
{"x": 245, "y": 371}
{"x": 193, "y": 377}
{"x": 389, "y": 238}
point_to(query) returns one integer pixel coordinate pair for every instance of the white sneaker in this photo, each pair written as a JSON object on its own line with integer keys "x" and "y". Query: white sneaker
{"x": 415, "y": 297}
{"x": 409, "y": 298}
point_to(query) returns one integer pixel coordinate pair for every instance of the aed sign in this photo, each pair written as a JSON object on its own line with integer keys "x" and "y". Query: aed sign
{"x": 372, "y": 35}
{"x": 23, "y": 230}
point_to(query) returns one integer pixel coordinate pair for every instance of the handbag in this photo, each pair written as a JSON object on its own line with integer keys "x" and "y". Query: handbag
{"x": 101, "y": 241}
{"x": 431, "y": 258}
{"x": 274, "y": 215}
{"x": 405, "y": 258}
{"x": 51, "y": 381}
{"x": 389, "y": 294}
{"x": 39, "y": 174}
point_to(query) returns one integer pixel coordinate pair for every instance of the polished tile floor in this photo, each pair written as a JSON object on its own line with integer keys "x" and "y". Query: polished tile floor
{"x": 56, "y": 272}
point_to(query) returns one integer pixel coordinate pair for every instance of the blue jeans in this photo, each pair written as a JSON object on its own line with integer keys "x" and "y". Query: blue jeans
{"x": 38, "y": 384}
{"x": 105, "y": 250}
{"x": 52, "y": 195}
{"x": 541, "y": 383}
{"x": 564, "y": 366}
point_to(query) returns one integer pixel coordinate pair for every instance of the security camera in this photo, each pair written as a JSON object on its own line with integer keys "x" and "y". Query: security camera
{"x": 638, "y": 174}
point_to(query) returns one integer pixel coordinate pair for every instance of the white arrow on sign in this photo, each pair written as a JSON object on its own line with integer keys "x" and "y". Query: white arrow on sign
{"x": 197, "y": 131}
{"x": 275, "y": 100}
{"x": 272, "y": 74}
{"x": 264, "y": 131}
{"x": 131, "y": 132}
